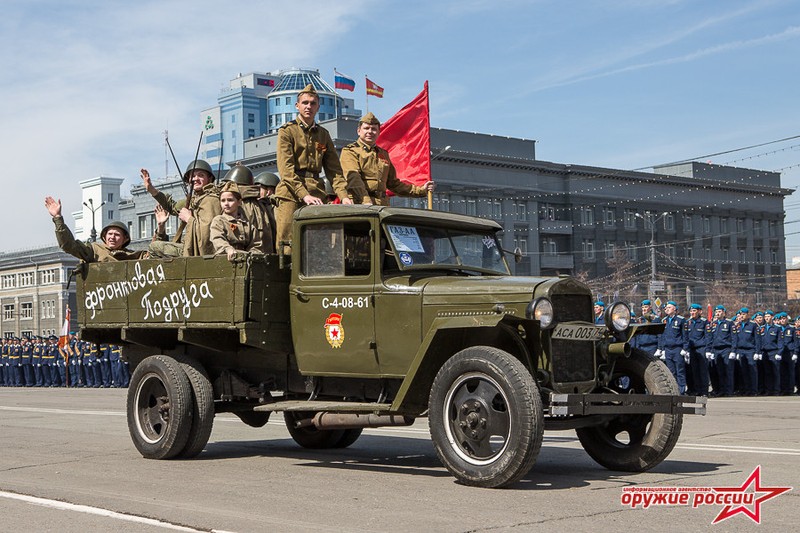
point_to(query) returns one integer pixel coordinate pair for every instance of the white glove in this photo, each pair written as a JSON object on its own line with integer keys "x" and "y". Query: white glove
{"x": 732, "y": 355}
{"x": 710, "y": 356}
{"x": 794, "y": 357}
{"x": 738, "y": 356}
{"x": 685, "y": 355}
{"x": 778, "y": 357}
{"x": 756, "y": 357}
{"x": 662, "y": 355}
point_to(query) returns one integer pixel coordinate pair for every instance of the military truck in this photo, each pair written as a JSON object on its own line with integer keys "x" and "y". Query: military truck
{"x": 380, "y": 316}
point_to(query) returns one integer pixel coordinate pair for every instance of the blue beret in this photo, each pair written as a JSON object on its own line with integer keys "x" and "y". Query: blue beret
{"x": 720, "y": 307}
{"x": 600, "y": 303}
{"x": 695, "y": 306}
{"x": 758, "y": 313}
{"x": 72, "y": 333}
{"x": 778, "y": 315}
{"x": 744, "y": 310}
{"x": 645, "y": 302}
{"x": 769, "y": 312}
{"x": 672, "y": 303}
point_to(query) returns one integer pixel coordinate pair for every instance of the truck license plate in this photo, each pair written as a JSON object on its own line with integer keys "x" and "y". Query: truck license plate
{"x": 575, "y": 332}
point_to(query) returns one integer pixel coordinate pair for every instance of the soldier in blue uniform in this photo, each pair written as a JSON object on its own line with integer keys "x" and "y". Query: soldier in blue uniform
{"x": 697, "y": 374}
{"x": 722, "y": 347}
{"x": 113, "y": 357}
{"x": 599, "y": 308}
{"x": 647, "y": 342}
{"x": 75, "y": 379}
{"x": 56, "y": 362}
{"x": 788, "y": 357}
{"x": 673, "y": 344}
{"x": 125, "y": 374}
{"x": 748, "y": 344}
{"x": 4, "y": 349}
{"x": 104, "y": 363}
{"x": 771, "y": 347}
{"x": 26, "y": 362}
{"x": 88, "y": 371}
{"x": 47, "y": 363}
{"x": 15, "y": 363}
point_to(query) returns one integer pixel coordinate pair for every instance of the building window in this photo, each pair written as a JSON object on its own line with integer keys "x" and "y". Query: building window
{"x": 111, "y": 214}
{"x": 588, "y": 249}
{"x": 773, "y": 254}
{"x": 48, "y": 309}
{"x": 671, "y": 251}
{"x": 549, "y": 247}
{"x": 706, "y": 224}
{"x": 110, "y": 197}
{"x": 773, "y": 228}
{"x": 707, "y": 253}
{"x": 630, "y": 219}
{"x": 251, "y": 133}
{"x": 723, "y": 225}
{"x": 26, "y": 310}
{"x": 251, "y": 117}
{"x": 48, "y": 276}
{"x": 288, "y": 100}
{"x": 497, "y": 209}
{"x": 742, "y": 255}
{"x": 522, "y": 244}
{"x": 740, "y": 225}
{"x": 472, "y": 207}
{"x": 233, "y": 133}
{"x": 758, "y": 255}
{"x": 631, "y": 250}
{"x": 687, "y": 223}
{"x": 609, "y": 219}
{"x": 689, "y": 252}
{"x": 756, "y": 228}
{"x": 669, "y": 222}
{"x": 8, "y": 312}
{"x": 587, "y": 216}
{"x": 233, "y": 118}
{"x": 287, "y": 117}
{"x": 143, "y": 227}
{"x": 441, "y": 202}
{"x": 521, "y": 212}
{"x": 547, "y": 212}
{"x": 609, "y": 249}
{"x": 25, "y": 279}
{"x": 9, "y": 281}
{"x": 725, "y": 254}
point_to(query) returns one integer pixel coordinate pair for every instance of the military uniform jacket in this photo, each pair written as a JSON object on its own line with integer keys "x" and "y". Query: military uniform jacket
{"x": 235, "y": 233}
{"x": 787, "y": 337}
{"x": 696, "y": 331}
{"x": 674, "y": 336}
{"x": 771, "y": 339}
{"x": 370, "y": 173}
{"x": 204, "y": 206}
{"x": 747, "y": 339}
{"x": 721, "y": 334}
{"x": 303, "y": 152}
{"x": 259, "y": 214}
{"x": 93, "y": 252}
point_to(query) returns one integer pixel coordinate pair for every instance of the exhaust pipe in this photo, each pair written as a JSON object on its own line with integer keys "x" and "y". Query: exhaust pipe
{"x": 325, "y": 420}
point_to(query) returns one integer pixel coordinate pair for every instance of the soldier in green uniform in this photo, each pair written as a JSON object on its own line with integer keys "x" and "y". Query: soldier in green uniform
{"x": 370, "y": 172}
{"x": 254, "y": 211}
{"x": 305, "y": 149}
{"x": 267, "y": 181}
{"x": 197, "y": 216}
{"x": 231, "y": 231}
{"x": 115, "y": 238}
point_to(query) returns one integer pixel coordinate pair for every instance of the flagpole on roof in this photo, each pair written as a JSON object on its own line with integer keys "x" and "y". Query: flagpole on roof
{"x": 335, "y": 99}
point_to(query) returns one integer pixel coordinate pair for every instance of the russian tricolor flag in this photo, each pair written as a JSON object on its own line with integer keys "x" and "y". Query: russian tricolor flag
{"x": 343, "y": 82}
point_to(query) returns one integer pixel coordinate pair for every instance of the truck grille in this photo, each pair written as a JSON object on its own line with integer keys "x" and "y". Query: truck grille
{"x": 572, "y": 360}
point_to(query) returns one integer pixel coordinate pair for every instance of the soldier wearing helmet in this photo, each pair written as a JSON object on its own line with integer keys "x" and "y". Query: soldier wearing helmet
{"x": 114, "y": 237}
{"x": 369, "y": 171}
{"x": 305, "y": 149}
{"x": 267, "y": 181}
{"x": 254, "y": 211}
{"x": 197, "y": 216}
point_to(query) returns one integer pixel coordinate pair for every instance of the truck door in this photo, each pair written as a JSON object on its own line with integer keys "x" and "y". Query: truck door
{"x": 333, "y": 320}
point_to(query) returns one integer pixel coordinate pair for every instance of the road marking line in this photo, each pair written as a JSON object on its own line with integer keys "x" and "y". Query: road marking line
{"x": 61, "y": 411}
{"x": 65, "y": 506}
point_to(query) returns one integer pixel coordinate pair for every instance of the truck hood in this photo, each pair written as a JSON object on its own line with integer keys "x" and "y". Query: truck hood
{"x": 485, "y": 289}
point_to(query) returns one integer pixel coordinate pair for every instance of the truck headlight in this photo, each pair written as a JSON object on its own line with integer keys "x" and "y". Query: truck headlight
{"x": 540, "y": 309}
{"x": 618, "y": 316}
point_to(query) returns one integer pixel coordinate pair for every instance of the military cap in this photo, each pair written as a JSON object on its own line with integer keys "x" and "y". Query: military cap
{"x": 645, "y": 302}
{"x": 197, "y": 164}
{"x": 309, "y": 89}
{"x": 720, "y": 306}
{"x": 267, "y": 179}
{"x": 600, "y": 303}
{"x": 231, "y": 186}
{"x": 120, "y": 226}
{"x": 52, "y": 338}
{"x": 797, "y": 318}
{"x": 744, "y": 310}
{"x": 72, "y": 333}
{"x": 695, "y": 306}
{"x": 779, "y": 315}
{"x": 369, "y": 118}
{"x": 672, "y": 303}
{"x": 769, "y": 312}
{"x": 758, "y": 313}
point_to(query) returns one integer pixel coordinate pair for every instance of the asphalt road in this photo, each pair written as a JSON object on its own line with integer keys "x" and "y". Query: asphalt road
{"x": 67, "y": 465}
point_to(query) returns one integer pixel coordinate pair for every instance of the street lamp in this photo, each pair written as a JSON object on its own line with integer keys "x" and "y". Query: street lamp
{"x": 653, "y": 223}
{"x": 93, "y": 209}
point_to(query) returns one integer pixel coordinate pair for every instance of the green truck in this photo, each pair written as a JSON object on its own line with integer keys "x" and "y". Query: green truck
{"x": 380, "y": 316}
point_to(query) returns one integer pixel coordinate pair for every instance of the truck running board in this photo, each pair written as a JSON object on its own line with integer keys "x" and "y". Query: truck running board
{"x": 330, "y": 406}
{"x": 615, "y": 404}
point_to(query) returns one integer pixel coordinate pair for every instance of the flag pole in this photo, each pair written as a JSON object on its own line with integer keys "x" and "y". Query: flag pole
{"x": 366, "y": 95}
{"x": 335, "y": 99}
{"x": 430, "y": 160}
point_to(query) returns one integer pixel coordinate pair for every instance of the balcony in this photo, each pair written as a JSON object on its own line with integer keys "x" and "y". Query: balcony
{"x": 555, "y": 227}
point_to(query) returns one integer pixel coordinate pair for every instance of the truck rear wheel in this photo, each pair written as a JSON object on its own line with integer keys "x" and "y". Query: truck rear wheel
{"x": 159, "y": 407}
{"x": 309, "y": 436}
{"x": 635, "y": 442}
{"x": 202, "y": 407}
{"x": 485, "y": 417}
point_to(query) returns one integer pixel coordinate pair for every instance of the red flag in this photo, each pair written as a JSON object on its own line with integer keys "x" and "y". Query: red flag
{"x": 64, "y": 337}
{"x": 374, "y": 89}
{"x": 407, "y": 138}
{"x": 710, "y": 313}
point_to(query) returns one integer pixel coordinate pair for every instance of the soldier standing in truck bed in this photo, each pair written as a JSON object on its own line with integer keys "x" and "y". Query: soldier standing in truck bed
{"x": 305, "y": 149}
{"x": 369, "y": 171}
{"x": 204, "y": 206}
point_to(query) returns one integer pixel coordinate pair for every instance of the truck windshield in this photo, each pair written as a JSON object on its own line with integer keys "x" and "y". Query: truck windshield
{"x": 425, "y": 247}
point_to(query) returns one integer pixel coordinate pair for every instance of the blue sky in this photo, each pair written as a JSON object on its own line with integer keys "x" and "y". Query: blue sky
{"x": 89, "y": 87}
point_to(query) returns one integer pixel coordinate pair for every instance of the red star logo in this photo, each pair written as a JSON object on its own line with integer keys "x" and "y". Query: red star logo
{"x": 755, "y": 480}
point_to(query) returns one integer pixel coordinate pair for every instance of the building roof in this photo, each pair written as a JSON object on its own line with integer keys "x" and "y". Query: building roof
{"x": 295, "y": 80}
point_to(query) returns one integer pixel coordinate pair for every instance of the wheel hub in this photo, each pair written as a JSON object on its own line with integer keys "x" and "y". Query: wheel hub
{"x": 472, "y": 419}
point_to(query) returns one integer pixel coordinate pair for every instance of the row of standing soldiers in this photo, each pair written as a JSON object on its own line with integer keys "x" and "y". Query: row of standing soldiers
{"x": 749, "y": 355}
{"x": 41, "y": 362}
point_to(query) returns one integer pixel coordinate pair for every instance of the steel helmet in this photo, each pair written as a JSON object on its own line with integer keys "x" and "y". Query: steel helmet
{"x": 199, "y": 164}
{"x": 267, "y": 179}
{"x": 120, "y": 226}
{"x": 239, "y": 174}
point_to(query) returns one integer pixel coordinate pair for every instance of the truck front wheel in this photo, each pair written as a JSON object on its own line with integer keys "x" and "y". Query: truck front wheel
{"x": 159, "y": 407}
{"x": 485, "y": 417}
{"x": 635, "y": 442}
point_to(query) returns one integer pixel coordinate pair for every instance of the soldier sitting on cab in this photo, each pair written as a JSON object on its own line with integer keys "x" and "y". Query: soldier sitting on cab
{"x": 114, "y": 235}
